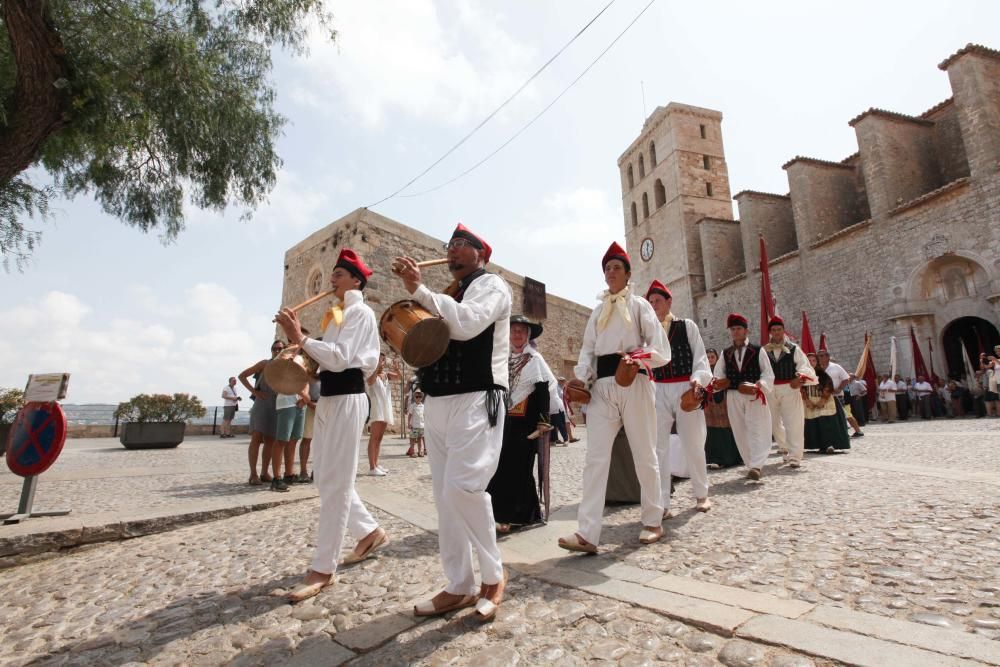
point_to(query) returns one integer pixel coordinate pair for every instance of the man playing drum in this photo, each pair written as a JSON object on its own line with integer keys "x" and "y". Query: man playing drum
{"x": 348, "y": 352}
{"x": 622, "y": 323}
{"x": 464, "y": 417}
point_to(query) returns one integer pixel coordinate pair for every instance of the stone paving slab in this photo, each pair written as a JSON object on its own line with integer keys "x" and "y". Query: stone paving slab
{"x": 844, "y": 647}
{"x": 943, "y": 640}
{"x": 736, "y": 597}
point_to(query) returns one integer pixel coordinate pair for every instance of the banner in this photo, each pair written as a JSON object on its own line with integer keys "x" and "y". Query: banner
{"x": 893, "y": 368}
{"x": 806, "y": 341}
{"x": 766, "y": 297}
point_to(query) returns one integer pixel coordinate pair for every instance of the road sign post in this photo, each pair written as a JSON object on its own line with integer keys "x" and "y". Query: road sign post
{"x": 33, "y": 445}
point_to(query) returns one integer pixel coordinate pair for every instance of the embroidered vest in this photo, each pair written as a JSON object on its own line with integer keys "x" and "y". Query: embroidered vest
{"x": 467, "y": 366}
{"x": 681, "y": 357}
{"x": 751, "y": 365}
{"x": 784, "y": 368}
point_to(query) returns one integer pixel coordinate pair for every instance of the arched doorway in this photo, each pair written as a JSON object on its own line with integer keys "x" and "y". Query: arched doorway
{"x": 976, "y": 334}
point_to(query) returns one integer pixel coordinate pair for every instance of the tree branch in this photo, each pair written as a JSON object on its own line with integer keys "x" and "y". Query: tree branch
{"x": 37, "y": 107}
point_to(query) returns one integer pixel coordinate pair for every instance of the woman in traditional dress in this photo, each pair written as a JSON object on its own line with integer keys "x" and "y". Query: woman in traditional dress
{"x": 720, "y": 445}
{"x": 513, "y": 490}
{"x": 824, "y": 429}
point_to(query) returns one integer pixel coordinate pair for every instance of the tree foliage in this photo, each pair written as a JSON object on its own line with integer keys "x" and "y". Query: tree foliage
{"x": 11, "y": 400}
{"x": 143, "y": 104}
{"x": 160, "y": 408}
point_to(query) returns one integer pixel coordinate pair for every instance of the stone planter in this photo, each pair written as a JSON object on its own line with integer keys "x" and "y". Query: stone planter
{"x": 152, "y": 435}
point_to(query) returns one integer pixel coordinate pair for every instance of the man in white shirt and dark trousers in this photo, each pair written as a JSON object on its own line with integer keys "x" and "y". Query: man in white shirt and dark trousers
{"x": 744, "y": 370}
{"x": 791, "y": 367}
{"x": 688, "y": 368}
{"x": 622, "y": 329}
{"x": 464, "y": 417}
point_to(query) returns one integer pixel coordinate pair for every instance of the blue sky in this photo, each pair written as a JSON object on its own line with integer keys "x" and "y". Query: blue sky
{"x": 405, "y": 80}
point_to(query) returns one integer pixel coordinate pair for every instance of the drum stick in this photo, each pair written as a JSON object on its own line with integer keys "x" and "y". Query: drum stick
{"x": 308, "y": 302}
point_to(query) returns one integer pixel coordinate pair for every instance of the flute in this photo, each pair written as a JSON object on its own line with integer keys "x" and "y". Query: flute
{"x": 422, "y": 265}
{"x": 308, "y": 302}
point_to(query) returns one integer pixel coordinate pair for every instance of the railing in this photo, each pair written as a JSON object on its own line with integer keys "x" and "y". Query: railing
{"x": 104, "y": 415}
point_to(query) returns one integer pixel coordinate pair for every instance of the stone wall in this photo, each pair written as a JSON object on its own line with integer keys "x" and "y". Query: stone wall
{"x": 378, "y": 240}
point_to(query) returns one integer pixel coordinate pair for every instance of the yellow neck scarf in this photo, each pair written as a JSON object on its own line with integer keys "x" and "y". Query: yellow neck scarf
{"x": 667, "y": 320}
{"x": 776, "y": 347}
{"x": 335, "y": 315}
{"x": 614, "y": 303}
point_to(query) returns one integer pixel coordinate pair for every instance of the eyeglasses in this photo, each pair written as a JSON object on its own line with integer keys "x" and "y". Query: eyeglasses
{"x": 458, "y": 243}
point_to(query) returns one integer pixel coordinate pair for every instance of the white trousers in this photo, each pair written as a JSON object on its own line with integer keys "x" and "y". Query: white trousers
{"x": 336, "y": 432}
{"x": 612, "y": 406}
{"x": 464, "y": 451}
{"x": 788, "y": 420}
{"x": 751, "y": 423}
{"x": 692, "y": 432}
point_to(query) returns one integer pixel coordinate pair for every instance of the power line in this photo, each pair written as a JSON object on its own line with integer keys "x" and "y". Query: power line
{"x": 499, "y": 108}
{"x": 538, "y": 115}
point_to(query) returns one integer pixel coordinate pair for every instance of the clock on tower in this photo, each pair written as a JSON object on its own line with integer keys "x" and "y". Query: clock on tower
{"x": 646, "y": 249}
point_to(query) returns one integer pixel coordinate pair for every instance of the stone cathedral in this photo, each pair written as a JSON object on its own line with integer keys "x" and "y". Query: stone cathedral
{"x": 903, "y": 233}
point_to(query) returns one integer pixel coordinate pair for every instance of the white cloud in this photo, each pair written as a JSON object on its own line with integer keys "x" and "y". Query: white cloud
{"x": 191, "y": 346}
{"x": 404, "y": 56}
{"x": 580, "y": 217}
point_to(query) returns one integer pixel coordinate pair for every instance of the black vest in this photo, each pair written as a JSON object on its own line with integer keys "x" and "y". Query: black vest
{"x": 784, "y": 368}
{"x": 751, "y": 365}
{"x": 467, "y": 366}
{"x": 681, "y": 357}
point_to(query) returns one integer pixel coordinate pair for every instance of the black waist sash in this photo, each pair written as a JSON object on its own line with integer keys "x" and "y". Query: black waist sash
{"x": 607, "y": 364}
{"x": 351, "y": 381}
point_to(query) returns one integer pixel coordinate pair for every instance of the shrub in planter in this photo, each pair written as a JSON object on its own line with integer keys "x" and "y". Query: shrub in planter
{"x": 11, "y": 401}
{"x": 156, "y": 421}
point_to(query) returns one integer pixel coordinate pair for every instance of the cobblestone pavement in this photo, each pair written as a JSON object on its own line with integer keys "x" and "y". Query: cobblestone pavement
{"x": 902, "y": 527}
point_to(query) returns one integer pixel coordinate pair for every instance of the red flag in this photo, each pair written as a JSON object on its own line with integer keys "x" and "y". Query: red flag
{"x": 807, "y": 337}
{"x": 871, "y": 379}
{"x": 766, "y": 297}
{"x": 919, "y": 367}
{"x": 822, "y": 340}
{"x": 934, "y": 376}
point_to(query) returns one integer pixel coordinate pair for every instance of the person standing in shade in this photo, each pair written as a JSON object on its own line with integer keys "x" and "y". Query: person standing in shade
{"x": 464, "y": 420}
{"x": 688, "y": 369}
{"x": 791, "y": 368}
{"x": 347, "y": 354}
{"x": 744, "y": 371}
{"x": 230, "y": 404}
{"x": 887, "y": 399}
{"x": 623, "y": 326}
{"x": 720, "y": 445}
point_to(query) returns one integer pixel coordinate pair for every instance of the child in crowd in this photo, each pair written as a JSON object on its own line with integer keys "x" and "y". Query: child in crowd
{"x": 415, "y": 417}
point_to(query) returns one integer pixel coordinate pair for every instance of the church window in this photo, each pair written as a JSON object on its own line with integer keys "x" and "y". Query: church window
{"x": 315, "y": 283}
{"x": 635, "y": 216}
{"x": 706, "y": 162}
{"x": 652, "y": 154}
{"x": 631, "y": 177}
{"x": 659, "y": 193}
{"x": 645, "y": 205}
{"x": 701, "y": 128}
{"x": 708, "y": 189}
{"x": 642, "y": 167}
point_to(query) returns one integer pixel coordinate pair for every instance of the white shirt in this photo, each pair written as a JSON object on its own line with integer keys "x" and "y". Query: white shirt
{"x": 486, "y": 301}
{"x": 766, "y": 372}
{"x": 229, "y": 396}
{"x": 838, "y": 375}
{"x": 353, "y": 344}
{"x": 923, "y": 388}
{"x": 644, "y": 331}
{"x": 285, "y": 401}
{"x": 859, "y": 387}
{"x": 887, "y": 391}
{"x": 416, "y": 413}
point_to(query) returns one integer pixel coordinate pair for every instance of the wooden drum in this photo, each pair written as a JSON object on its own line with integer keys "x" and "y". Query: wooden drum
{"x": 416, "y": 335}
{"x": 290, "y": 371}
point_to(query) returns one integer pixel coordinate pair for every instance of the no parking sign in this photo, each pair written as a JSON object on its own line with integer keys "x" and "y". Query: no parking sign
{"x": 36, "y": 438}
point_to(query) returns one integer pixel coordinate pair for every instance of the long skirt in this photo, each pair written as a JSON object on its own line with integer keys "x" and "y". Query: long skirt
{"x": 823, "y": 432}
{"x": 720, "y": 448}
{"x": 513, "y": 489}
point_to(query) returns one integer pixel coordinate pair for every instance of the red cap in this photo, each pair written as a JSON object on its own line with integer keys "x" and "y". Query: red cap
{"x": 775, "y": 321}
{"x": 736, "y": 320}
{"x": 659, "y": 288}
{"x": 463, "y": 232}
{"x": 615, "y": 251}
{"x": 349, "y": 260}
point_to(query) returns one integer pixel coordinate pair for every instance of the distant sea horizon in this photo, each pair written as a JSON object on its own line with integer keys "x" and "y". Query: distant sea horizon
{"x": 104, "y": 413}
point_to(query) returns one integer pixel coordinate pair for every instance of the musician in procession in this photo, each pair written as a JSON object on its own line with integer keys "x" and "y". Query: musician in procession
{"x": 347, "y": 354}
{"x": 624, "y": 329}
{"x": 744, "y": 370}
{"x": 791, "y": 369}
{"x": 688, "y": 369}
{"x": 464, "y": 420}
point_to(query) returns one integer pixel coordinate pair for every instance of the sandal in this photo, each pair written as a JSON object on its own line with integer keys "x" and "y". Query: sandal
{"x": 650, "y": 535}
{"x": 255, "y": 481}
{"x": 504, "y": 528}
{"x": 380, "y": 541}
{"x": 306, "y": 591}
{"x": 576, "y": 543}
{"x": 428, "y": 608}
{"x": 486, "y": 608}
